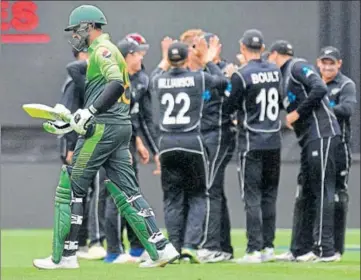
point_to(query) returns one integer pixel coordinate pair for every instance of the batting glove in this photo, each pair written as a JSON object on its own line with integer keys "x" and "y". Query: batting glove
{"x": 81, "y": 120}
{"x": 63, "y": 112}
{"x": 57, "y": 127}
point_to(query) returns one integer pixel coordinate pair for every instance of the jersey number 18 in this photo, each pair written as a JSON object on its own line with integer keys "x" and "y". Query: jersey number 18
{"x": 269, "y": 104}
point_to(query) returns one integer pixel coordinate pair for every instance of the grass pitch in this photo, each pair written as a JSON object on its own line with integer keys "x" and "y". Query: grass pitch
{"x": 19, "y": 247}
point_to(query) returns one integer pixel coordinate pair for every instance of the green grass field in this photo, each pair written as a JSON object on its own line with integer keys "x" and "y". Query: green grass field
{"x": 19, "y": 247}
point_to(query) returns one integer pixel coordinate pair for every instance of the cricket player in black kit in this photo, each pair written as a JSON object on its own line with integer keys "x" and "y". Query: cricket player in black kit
{"x": 183, "y": 157}
{"x": 256, "y": 95}
{"x": 316, "y": 127}
{"x": 342, "y": 96}
{"x": 219, "y": 138}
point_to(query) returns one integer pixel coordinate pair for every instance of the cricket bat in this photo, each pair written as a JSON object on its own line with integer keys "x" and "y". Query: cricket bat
{"x": 41, "y": 111}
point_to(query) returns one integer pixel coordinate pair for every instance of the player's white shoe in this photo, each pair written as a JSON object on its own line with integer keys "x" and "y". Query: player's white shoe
{"x": 285, "y": 257}
{"x": 95, "y": 252}
{"x": 255, "y": 257}
{"x": 268, "y": 255}
{"x": 144, "y": 257}
{"x": 65, "y": 263}
{"x": 82, "y": 252}
{"x": 126, "y": 258}
{"x": 209, "y": 256}
{"x": 308, "y": 257}
{"x": 338, "y": 256}
{"x": 334, "y": 258}
{"x": 166, "y": 256}
{"x": 227, "y": 256}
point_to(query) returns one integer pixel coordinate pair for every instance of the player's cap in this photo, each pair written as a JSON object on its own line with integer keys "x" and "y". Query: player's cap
{"x": 252, "y": 39}
{"x": 282, "y": 47}
{"x": 129, "y": 45}
{"x": 331, "y": 53}
{"x": 177, "y": 52}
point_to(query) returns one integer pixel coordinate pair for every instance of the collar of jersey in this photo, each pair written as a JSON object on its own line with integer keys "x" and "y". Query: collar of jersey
{"x": 178, "y": 70}
{"x": 98, "y": 40}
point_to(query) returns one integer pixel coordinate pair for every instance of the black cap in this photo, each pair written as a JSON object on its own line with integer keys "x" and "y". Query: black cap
{"x": 252, "y": 39}
{"x": 331, "y": 53}
{"x": 282, "y": 47}
{"x": 177, "y": 52}
{"x": 129, "y": 45}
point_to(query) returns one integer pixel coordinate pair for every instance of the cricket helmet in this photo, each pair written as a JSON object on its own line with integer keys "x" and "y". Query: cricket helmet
{"x": 85, "y": 14}
{"x": 137, "y": 37}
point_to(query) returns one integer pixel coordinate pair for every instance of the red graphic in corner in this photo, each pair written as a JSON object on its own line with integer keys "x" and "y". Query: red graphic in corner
{"x": 19, "y": 20}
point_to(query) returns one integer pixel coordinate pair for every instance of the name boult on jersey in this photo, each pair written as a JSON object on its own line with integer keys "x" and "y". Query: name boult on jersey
{"x": 176, "y": 82}
{"x": 264, "y": 77}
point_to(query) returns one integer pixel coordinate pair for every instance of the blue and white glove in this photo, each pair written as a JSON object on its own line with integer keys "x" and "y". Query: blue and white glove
{"x": 57, "y": 127}
{"x": 81, "y": 120}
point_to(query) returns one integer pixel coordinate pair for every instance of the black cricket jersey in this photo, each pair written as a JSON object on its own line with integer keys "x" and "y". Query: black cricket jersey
{"x": 214, "y": 116}
{"x": 181, "y": 95}
{"x": 304, "y": 91}
{"x": 256, "y": 95}
{"x": 342, "y": 97}
{"x": 141, "y": 109}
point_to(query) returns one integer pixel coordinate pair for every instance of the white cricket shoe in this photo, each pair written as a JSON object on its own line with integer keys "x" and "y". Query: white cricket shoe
{"x": 168, "y": 255}
{"x": 210, "y": 256}
{"x": 334, "y": 258}
{"x": 285, "y": 257}
{"x": 308, "y": 257}
{"x": 126, "y": 258}
{"x": 144, "y": 257}
{"x": 268, "y": 255}
{"x": 65, "y": 263}
{"x": 255, "y": 257}
{"x": 95, "y": 252}
{"x": 227, "y": 256}
{"x": 338, "y": 257}
{"x": 82, "y": 252}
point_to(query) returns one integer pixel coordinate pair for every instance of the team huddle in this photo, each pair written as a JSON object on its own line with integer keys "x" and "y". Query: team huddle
{"x": 209, "y": 111}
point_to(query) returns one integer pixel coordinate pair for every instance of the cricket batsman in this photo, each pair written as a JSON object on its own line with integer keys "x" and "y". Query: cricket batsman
{"x": 105, "y": 130}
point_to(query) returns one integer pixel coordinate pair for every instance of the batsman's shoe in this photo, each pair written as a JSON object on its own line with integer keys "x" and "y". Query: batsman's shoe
{"x": 191, "y": 254}
{"x": 308, "y": 257}
{"x": 268, "y": 255}
{"x": 166, "y": 256}
{"x": 333, "y": 258}
{"x": 65, "y": 263}
{"x": 285, "y": 257}
{"x": 227, "y": 256}
{"x": 126, "y": 258}
{"x": 96, "y": 252}
{"x": 82, "y": 252}
{"x": 254, "y": 257}
{"x": 210, "y": 256}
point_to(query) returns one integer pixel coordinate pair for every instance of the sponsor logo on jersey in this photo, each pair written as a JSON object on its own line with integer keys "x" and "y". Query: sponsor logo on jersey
{"x": 106, "y": 53}
{"x": 307, "y": 71}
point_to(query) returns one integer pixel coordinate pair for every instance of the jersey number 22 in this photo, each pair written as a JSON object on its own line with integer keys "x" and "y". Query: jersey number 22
{"x": 169, "y": 100}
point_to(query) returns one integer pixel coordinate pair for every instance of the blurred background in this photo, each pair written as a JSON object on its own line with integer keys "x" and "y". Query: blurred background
{"x": 34, "y": 52}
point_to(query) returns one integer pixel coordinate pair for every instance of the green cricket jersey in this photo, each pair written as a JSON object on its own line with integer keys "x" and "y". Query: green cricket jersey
{"x": 105, "y": 64}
